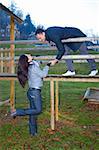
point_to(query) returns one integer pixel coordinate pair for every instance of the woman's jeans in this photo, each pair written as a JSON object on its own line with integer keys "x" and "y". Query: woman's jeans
{"x": 34, "y": 96}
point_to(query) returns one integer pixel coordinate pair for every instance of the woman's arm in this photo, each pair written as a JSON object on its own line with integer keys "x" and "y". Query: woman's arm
{"x": 42, "y": 73}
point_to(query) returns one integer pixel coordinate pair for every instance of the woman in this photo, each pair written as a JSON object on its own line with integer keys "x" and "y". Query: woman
{"x": 29, "y": 70}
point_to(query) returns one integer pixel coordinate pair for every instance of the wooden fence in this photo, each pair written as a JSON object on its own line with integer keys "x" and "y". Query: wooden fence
{"x": 54, "y": 94}
{"x": 52, "y": 78}
{"x": 5, "y": 61}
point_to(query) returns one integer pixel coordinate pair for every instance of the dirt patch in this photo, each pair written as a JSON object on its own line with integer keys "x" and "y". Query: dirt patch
{"x": 92, "y": 106}
{"x": 6, "y": 118}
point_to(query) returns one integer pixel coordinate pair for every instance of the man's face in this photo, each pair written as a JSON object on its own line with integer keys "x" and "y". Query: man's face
{"x": 41, "y": 37}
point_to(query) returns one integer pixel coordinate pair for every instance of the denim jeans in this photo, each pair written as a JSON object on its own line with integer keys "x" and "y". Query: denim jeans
{"x": 34, "y": 96}
{"x": 83, "y": 51}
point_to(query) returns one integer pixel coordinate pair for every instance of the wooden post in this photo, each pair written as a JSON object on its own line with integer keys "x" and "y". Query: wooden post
{"x": 52, "y": 104}
{"x": 9, "y": 68}
{"x": 57, "y": 101}
{"x": 6, "y": 62}
{"x": 12, "y": 95}
{"x": 1, "y": 65}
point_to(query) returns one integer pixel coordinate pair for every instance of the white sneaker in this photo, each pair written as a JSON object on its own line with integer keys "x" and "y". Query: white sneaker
{"x": 93, "y": 72}
{"x": 69, "y": 73}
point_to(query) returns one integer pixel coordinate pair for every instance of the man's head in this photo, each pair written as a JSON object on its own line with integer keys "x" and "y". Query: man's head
{"x": 40, "y": 34}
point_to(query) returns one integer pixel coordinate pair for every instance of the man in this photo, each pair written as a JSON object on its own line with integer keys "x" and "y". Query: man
{"x": 56, "y": 35}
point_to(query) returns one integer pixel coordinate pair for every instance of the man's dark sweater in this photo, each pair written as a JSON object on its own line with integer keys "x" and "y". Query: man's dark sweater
{"x": 56, "y": 34}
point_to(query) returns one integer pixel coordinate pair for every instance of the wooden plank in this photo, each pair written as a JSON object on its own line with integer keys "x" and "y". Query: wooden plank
{"x": 21, "y": 42}
{"x": 53, "y": 48}
{"x": 50, "y": 57}
{"x": 76, "y": 78}
{"x": 52, "y": 76}
{"x": 90, "y": 56}
{"x": 80, "y": 39}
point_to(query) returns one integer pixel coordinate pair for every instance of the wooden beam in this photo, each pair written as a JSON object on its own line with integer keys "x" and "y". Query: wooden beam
{"x": 52, "y": 104}
{"x": 56, "y": 101}
{"x": 55, "y": 77}
{"x": 76, "y": 78}
{"x": 68, "y": 57}
{"x": 50, "y": 57}
{"x": 9, "y": 12}
{"x": 21, "y": 42}
{"x": 80, "y": 39}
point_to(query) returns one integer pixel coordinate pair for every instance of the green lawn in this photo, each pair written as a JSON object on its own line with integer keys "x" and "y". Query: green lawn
{"x": 77, "y": 128}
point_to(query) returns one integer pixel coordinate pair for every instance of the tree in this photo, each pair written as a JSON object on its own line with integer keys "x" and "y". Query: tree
{"x": 4, "y": 21}
{"x": 13, "y": 7}
{"x": 27, "y": 27}
{"x": 23, "y": 31}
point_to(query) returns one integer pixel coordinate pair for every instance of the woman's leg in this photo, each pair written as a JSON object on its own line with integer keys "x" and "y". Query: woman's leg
{"x": 34, "y": 97}
{"x": 32, "y": 121}
{"x": 35, "y": 102}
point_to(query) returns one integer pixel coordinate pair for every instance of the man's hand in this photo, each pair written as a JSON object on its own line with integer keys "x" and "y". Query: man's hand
{"x": 53, "y": 62}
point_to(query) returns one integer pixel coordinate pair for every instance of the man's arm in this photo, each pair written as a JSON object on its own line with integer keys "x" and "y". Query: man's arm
{"x": 61, "y": 51}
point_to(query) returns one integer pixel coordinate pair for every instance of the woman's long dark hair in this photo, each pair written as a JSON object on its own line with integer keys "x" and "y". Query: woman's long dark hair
{"x": 22, "y": 70}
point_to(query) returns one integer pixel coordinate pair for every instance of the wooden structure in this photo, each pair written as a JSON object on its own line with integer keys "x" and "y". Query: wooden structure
{"x": 54, "y": 96}
{"x": 55, "y": 79}
{"x": 13, "y": 18}
{"x": 52, "y": 78}
{"x": 92, "y": 95}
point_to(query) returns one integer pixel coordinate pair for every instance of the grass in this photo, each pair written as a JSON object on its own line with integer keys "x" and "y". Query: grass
{"x": 77, "y": 128}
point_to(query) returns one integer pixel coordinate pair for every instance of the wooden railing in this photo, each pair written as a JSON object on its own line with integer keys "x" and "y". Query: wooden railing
{"x": 51, "y": 78}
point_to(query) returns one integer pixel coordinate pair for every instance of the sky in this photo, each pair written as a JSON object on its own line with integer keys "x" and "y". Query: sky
{"x": 83, "y": 14}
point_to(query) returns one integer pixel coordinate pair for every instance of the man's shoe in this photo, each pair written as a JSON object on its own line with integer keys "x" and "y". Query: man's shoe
{"x": 93, "y": 72}
{"x": 69, "y": 73}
